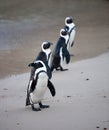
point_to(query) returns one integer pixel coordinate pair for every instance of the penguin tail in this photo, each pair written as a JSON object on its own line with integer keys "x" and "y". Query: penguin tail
{"x": 27, "y": 101}
{"x": 72, "y": 44}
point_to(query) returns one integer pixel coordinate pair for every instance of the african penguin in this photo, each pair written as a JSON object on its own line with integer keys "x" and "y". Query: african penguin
{"x": 45, "y": 55}
{"x": 38, "y": 84}
{"x": 60, "y": 52}
{"x": 71, "y": 29}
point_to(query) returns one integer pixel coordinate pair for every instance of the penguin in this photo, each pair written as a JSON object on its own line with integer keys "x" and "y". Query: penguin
{"x": 38, "y": 84}
{"x": 45, "y": 55}
{"x": 60, "y": 52}
{"x": 71, "y": 30}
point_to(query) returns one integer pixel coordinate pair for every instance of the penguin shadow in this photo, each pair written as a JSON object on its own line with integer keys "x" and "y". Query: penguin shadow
{"x": 72, "y": 55}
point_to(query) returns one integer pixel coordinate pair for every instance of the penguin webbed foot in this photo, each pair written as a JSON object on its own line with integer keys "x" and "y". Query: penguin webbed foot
{"x": 35, "y": 109}
{"x": 57, "y": 69}
{"x": 61, "y": 68}
{"x": 43, "y": 106}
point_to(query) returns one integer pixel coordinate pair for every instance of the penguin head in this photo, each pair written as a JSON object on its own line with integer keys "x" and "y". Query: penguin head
{"x": 63, "y": 32}
{"x": 36, "y": 64}
{"x": 39, "y": 66}
{"x": 46, "y": 45}
{"x": 68, "y": 20}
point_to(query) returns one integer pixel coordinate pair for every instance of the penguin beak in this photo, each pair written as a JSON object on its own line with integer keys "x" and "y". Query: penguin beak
{"x": 31, "y": 65}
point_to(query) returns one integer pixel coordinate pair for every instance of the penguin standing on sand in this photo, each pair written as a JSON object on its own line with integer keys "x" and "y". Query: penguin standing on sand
{"x": 71, "y": 30}
{"x": 44, "y": 55}
{"x": 38, "y": 84}
{"x": 60, "y": 52}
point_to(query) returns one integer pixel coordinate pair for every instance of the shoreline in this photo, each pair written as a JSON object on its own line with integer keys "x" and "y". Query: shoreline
{"x": 72, "y": 62}
{"x": 16, "y": 73}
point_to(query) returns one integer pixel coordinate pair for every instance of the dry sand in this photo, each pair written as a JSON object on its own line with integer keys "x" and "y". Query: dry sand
{"x": 81, "y": 101}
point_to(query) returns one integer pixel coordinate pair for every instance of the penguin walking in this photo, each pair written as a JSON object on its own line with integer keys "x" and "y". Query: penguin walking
{"x": 71, "y": 30}
{"x": 45, "y": 56}
{"x": 60, "y": 52}
{"x": 38, "y": 84}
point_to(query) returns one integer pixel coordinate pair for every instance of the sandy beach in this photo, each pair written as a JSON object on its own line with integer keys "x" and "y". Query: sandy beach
{"x": 81, "y": 101}
{"x": 82, "y": 92}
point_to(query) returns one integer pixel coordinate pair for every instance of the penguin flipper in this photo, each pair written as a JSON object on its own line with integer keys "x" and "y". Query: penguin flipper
{"x": 68, "y": 58}
{"x": 49, "y": 72}
{"x": 66, "y": 55}
{"x": 51, "y": 88}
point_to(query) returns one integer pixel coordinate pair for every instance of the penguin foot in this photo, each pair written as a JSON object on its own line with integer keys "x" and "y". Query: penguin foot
{"x": 63, "y": 69}
{"x": 35, "y": 109}
{"x": 43, "y": 106}
{"x": 57, "y": 69}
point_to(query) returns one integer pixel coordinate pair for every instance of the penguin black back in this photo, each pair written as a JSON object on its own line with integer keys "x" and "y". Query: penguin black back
{"x": 60, "y": 51}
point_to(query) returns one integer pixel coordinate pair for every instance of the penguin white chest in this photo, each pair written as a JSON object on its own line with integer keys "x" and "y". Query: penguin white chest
{"x": 72, "y": 36}
{"x": 40, "y": 89}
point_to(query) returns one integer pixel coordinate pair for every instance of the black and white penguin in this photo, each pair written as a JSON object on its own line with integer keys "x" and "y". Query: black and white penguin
{"x": 71, "y": 29}
{"x": 38, "y": 84}
{"x": 45, "y": 56}
{"x": 60, "y": 52}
